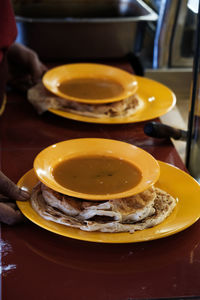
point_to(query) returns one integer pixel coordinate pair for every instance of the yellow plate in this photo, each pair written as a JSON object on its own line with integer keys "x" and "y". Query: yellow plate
{"x": 157, "y": 100}
{"x": 176, "y": 182}
{"x": 56, "y": 76}
{"x": 48, "y": 158}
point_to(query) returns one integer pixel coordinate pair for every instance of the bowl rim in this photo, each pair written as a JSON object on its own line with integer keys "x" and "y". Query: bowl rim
{"x": 57, "y": 75}
{"x": 144, "y": 161}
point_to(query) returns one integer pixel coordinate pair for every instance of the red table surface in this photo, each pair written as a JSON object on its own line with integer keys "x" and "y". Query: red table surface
{"x": 38, "y": 264}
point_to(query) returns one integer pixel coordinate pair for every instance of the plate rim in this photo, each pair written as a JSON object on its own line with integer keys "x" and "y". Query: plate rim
{"x": 99, "y": 237}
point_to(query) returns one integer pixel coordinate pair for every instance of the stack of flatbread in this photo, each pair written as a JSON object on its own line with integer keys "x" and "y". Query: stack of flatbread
{"x": 42, "y": 100}
{"x": 136, "y": 212}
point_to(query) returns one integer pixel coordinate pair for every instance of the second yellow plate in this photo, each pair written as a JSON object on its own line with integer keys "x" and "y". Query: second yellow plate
{"x": 157, "y": 100}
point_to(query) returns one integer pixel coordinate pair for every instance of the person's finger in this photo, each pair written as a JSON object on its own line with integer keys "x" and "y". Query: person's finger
{"x": 23, "y": 195}
{"x": 27, "y": 60}
{"x": 37, "y": 69}
{"x": 12, "y": 205}
{"x": 35, "y": 66}
{"x": 10, "y": 216}
{"x": 4, "y": 198}
{"x": 11, "y": 190}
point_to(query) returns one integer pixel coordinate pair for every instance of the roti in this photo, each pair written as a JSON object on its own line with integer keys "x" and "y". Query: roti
{"x": 43, "y": 100}
{"x": 138, "y": 212}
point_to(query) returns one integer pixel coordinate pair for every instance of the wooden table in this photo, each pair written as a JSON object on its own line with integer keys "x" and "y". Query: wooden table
{"x": 38, "y": 264}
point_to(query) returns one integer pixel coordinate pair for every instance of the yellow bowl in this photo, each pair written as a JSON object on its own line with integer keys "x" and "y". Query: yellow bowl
{"x": 54, "y": 78}
{"x": 46, "y": 161}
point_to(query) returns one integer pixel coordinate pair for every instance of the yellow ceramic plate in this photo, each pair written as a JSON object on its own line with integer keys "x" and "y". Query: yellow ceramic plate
{"x": 54, "y": 78}
{"x": 157, "y": 100}
{"x": 176, "y": 182}
{"x": 47, "y": 159}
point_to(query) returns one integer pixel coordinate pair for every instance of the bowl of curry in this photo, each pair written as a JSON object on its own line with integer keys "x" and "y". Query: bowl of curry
{"x": 90, "y": 83}
{"x": 96, "y": 169}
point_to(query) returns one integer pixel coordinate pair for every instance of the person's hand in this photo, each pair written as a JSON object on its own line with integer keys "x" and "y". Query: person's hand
{"x": 9, "y": 192}
{"x": 24, "y": 66}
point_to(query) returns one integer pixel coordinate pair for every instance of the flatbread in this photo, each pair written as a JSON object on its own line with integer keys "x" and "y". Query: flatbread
{"x": 163, "y": 205}
{"x": 129, "y": 210}
{"x": 43, "y": 100}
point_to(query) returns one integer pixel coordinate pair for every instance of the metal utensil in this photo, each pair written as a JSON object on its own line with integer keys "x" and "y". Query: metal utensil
{"x": 82, "y": 29}
{"x": 159, "y": 130}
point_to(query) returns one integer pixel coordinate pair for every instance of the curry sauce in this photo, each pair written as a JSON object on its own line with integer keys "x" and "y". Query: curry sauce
{"x": 91, "y": 88}
{"x": 97, "y": 174}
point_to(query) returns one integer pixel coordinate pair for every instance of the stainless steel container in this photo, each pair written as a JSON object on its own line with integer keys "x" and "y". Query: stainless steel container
{"x": 82, "y": 28}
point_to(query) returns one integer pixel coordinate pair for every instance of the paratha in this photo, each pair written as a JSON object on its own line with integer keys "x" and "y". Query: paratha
{"x": 138, "y": 212}
{"x": 43, "y": 100}
{"x": 128, "y": 209}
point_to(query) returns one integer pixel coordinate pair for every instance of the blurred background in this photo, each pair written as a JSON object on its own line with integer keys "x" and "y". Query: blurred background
{"x": 160, "y": 32}
{"x": 157, "y": 37}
